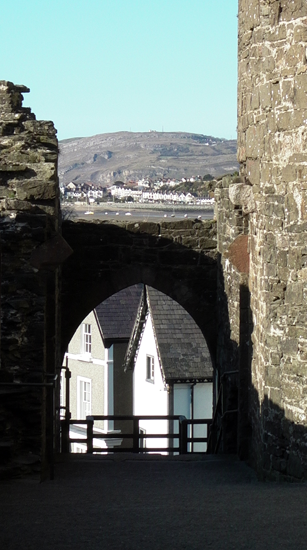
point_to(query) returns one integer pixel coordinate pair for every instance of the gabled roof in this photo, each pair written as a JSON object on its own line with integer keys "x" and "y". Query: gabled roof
{"x": 117, "y": 314}
{"x": 182, "y": 348}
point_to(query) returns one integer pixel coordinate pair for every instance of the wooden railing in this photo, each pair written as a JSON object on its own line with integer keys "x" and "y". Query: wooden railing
{"x": 185, "y": 439}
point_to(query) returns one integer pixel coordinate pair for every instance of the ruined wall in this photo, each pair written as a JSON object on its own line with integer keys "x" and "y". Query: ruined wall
{"x": 232, "y": 286}
{"x": 29, "y": 222}
{"x": 272, "y": 143}
{"x": 262, "y": 279}
{"x": 177, "y": 258}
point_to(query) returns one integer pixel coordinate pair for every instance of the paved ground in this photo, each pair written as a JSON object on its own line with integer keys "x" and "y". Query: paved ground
{"x": 128, "y": 504}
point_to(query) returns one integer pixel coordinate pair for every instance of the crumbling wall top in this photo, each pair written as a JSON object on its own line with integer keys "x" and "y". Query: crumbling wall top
{"x": 28, "y": 155}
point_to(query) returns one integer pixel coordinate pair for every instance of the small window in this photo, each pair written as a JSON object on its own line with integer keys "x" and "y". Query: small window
{"x": 150, "y": 368}
{"x": 84, "y": 397}
{"x": 86, "y": 338}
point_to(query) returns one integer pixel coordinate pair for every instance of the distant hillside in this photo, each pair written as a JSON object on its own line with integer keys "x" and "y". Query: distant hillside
{"x": 125, "y": 156}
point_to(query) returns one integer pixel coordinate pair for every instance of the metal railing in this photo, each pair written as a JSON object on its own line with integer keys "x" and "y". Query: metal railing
{"x": 185, "y": 438}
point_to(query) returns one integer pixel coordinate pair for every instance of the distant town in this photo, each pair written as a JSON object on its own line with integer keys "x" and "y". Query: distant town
{"x": 195, "y": 191}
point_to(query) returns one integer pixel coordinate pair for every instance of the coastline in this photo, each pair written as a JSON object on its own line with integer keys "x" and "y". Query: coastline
{"x": 116, "y": 206}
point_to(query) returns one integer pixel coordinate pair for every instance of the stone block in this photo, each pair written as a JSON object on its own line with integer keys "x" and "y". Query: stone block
{"x": 291, "y": 208}
{"x": 253, "y": 171}
{"x": 255, "y": 141}
{"x": 294, "y": 259}
{"x": 287, "y": 92}
{"x": 266, "y": 172}
{"x": 241, "y": 194}
{"x": 37, "y": 190}
{"x": 300, "y": 91}
{"x": 285, "y": 121}
{"x": 268, "y": 189}
{"x": 282, "y": 258}
{"x": 265, "y": 95}
{"x": 289, "y": 346}
{"x": 295, "y": 55}
{"x": 274, "y": 224}
{"x": 268, "y": 64}
{"x": 206, "y": 243}
{"x": 276, "y": 396}
{"x": 255, "y": 99}
{"x": 294, "y": 293}
{"x": 293, "y": 10}
{"x": 300, "y": 33}
{"x": 302, "y": 274}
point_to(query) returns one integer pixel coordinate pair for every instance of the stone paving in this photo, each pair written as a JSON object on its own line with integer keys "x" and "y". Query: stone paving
{"x": 150, "y": 503}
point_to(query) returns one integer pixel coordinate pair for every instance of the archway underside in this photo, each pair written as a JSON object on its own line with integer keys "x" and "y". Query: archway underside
{"x": 105, "y": 265}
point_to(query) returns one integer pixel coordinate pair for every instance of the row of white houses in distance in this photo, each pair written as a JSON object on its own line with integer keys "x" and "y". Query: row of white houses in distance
{"x": 139, "y": 353}
{"x": 158, "y": 196}
{"x": 138, "y": 193}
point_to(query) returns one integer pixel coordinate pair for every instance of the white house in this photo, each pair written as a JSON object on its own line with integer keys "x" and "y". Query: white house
{"x": 98, "y": 385}
{"x": 171, "y": 365}
{"x": 167, "y": 364}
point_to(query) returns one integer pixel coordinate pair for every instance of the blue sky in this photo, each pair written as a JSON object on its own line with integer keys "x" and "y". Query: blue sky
{"x": 96, "y": 66}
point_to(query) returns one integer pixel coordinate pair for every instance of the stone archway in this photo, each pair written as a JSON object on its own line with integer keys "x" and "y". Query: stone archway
{"x": 177, "y": 258}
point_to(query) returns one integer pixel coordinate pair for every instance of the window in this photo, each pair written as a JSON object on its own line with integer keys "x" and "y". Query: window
{"x": 83, "y": 397}
{"x": 150, "y": 368}
{"x": 86, "y": 338}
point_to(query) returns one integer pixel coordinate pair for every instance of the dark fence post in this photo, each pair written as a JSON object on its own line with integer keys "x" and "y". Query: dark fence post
{"x": 65, "y": 436}
{"x": 51, "y": 443}
{"x": 135, "y": 435}
{"x": 89, "y": 434}
{"x": 183, "y": 435}
{"x": 67, "y": 393}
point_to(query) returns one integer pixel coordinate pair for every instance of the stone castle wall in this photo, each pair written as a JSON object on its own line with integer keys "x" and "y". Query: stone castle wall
{"x": 232, "y": 284}
{"x": 272, "y": 151}
{"x": 29, "y": 220}
{"x": 262, "y": 256}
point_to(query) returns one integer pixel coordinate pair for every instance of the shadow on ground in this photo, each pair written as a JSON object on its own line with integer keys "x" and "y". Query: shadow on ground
{"x": 136, "y": 504}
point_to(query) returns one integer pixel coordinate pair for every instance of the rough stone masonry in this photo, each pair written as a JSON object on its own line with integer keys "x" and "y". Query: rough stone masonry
{"x": 261, "y": 234}
{"x": 272, "y": 198}
{"x": 30, "y": 255}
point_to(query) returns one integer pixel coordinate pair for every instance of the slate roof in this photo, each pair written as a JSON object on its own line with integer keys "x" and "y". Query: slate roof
{"x": 182, "y": 347}
{"x": 117, "y": 314}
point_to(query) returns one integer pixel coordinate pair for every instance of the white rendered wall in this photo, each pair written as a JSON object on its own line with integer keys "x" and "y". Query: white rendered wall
{"x": 150, "y": 398}
{"x": 109, "y": 387}
{"x": 182, "y": 404}
{"x": 202, "y": 408}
